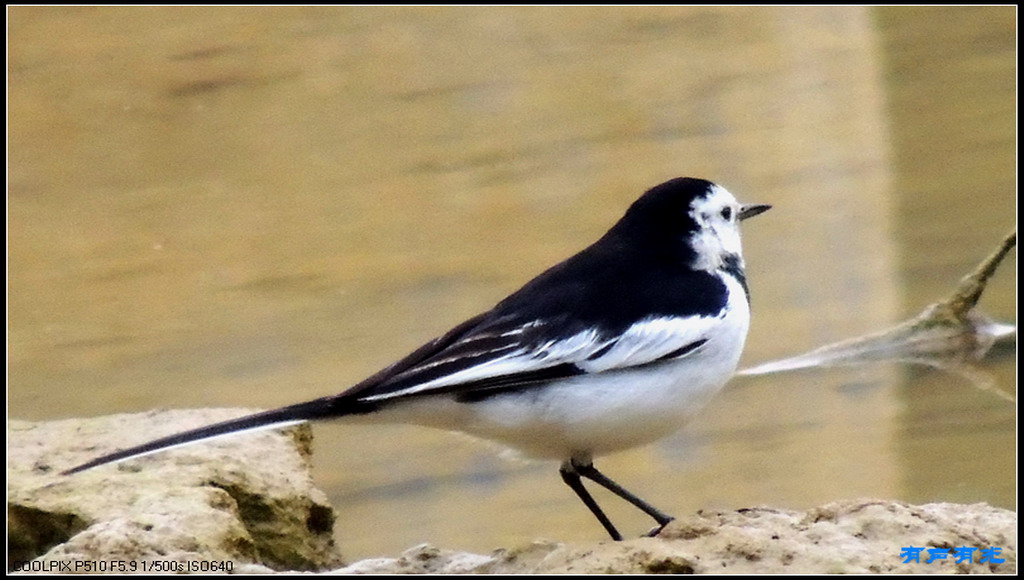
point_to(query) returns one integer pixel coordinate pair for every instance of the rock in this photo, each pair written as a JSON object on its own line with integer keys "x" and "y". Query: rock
{"x": 852, "y": 537}
{"x": 422, "y": 559}
{"x": 247, "y": 500}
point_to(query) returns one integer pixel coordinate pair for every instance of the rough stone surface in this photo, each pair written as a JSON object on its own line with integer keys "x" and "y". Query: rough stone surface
{"x": 850, "y": 537}
{"x": 249, "y": 500}
{"x": 218, "y": 501}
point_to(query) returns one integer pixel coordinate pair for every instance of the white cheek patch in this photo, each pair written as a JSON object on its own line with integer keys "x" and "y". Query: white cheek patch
{"x": 717, "y": 237}
{"x": 710, "y": 253}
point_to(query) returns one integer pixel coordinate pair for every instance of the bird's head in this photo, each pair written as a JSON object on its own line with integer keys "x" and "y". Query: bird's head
{"x": 701, "y": 214}
{"x": 717, "y": 216}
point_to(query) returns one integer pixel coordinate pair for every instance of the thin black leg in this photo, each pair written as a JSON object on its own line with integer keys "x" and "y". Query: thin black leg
{"x": 590, "y": 472}
{"x": 571, "y": 477}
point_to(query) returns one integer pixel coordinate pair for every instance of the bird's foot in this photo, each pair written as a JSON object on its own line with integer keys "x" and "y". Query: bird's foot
{"x": 657, "y": 529}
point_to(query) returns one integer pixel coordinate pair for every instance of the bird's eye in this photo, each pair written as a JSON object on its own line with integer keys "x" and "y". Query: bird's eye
{"x": 727, "y": 214}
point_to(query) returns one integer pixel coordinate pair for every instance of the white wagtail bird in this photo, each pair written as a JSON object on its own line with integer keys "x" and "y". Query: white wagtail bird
{"x": 613, "y": 348}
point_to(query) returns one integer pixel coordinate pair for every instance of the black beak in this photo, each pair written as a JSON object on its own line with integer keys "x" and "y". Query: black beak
{"x": 753, "y": 209}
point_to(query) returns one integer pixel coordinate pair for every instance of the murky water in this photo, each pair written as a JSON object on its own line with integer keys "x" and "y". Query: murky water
{"x": 224, "y": 207}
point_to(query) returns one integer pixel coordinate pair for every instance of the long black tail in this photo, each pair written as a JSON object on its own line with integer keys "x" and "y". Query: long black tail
{"x": 285, "y": 416}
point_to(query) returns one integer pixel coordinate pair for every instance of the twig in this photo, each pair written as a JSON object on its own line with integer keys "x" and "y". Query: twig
{"x": 946, "y": 334}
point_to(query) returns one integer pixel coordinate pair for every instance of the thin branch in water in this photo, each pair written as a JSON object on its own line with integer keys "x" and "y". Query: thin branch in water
{"x": 950, "y": 334}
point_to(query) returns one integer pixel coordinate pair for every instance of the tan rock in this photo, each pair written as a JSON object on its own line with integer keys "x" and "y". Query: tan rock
{"x": 249, "y": 501}
{"x": 245, "y": 500}
{"x": 856, "y": 536}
